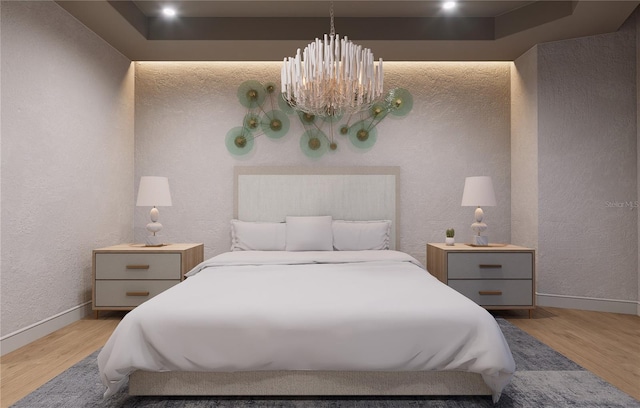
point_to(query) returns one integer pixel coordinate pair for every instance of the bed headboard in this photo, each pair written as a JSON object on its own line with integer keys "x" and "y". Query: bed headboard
{"x": 345, "y": 193}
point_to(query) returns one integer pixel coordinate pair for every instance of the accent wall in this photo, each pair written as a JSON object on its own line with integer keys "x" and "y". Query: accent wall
{"x": 459, "y": 126}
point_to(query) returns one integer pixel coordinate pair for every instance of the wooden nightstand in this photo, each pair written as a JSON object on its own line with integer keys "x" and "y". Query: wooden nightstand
{"x": 495, "y": 277}
{"x": 126, "y": 275}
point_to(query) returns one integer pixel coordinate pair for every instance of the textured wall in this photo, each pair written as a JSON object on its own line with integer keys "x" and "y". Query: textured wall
{"x": 459, "y": 127}
{"x": 67, "y": 159}
{"x": 637, "y": 23}
{"x": 1, "y": 3}
{"x": 524, "y": 150}
{"x": 587, "y": 143}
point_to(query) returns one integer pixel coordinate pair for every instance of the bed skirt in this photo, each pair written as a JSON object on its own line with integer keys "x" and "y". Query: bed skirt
{"x": 311, "y": 383}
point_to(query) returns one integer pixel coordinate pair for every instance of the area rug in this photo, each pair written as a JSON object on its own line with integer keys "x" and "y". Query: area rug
{"x": 544, "y": 378}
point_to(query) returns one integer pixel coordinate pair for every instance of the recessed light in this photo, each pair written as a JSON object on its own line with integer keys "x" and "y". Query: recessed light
{"x": 449, "y": 5}
{"x": 169, "y": 11}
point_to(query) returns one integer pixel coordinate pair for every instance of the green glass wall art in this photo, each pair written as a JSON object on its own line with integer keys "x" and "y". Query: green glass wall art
{"x": 275, "y": 124}
{"x": 363, "y": 134}
{"x": 314, "y": 143}
{"x": 239, "y": 141}
{"x": 267, "y": 113}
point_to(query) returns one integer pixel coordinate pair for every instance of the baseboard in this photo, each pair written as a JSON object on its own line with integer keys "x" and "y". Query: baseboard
{"x": 587, "y": 303}
{"x": 31, "y": 333}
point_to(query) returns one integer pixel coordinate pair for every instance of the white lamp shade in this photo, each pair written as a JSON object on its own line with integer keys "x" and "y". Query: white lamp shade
{"x": 478, "y": 192}
{"x": 154, "y": 192}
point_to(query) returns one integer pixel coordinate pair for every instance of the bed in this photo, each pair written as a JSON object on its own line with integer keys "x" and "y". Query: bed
{"x": 296, "y": 320}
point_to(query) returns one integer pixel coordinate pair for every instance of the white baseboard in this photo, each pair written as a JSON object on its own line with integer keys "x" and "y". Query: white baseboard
{"x": 588, "y": 303}
{"x": 26, "y": 335}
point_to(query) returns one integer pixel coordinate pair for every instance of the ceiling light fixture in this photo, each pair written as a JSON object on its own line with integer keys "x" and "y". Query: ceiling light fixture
{"x": 449, "y": 5}
{"x": 169, "y": 12}
{"x": 331, "y": 77}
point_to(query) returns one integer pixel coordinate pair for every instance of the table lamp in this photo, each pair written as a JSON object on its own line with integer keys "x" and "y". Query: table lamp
{"x": 153, "y": 192}
{"x": 478, "y": 191}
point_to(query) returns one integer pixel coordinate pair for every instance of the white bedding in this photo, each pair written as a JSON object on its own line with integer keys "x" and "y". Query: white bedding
{"x": 326, "y": 310}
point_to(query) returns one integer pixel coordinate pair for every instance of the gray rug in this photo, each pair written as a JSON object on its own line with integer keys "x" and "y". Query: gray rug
{"x": 544, "y": 378}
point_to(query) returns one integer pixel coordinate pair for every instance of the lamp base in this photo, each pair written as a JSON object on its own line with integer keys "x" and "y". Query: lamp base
{"x": 153, "y": 241}
{"x": 480, "y": 240}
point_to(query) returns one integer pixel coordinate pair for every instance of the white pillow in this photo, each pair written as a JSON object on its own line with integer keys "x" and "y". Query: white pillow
{"x": 258, "y": 236}
{"x": 309, "y": 233}
{"x": 361, "y": 235}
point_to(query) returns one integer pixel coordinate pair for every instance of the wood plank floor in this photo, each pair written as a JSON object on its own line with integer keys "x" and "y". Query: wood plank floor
{"x": 607, "y": 344}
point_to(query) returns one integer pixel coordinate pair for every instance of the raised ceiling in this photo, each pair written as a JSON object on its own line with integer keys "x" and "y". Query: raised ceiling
{"x": 395, "y": 30}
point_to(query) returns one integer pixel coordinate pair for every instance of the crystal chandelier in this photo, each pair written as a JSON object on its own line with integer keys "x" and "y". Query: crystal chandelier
{"x": 331, "y": 77}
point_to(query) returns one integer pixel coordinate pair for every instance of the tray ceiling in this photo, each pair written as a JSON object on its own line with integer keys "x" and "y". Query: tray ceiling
{"x": 394, "y": 30}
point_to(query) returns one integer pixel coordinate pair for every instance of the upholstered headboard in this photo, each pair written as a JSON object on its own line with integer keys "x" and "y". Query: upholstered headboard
{"x": 345, "y": 193}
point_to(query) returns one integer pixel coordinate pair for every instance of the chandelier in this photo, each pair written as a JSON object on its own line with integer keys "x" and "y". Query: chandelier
{"x": 331, "y": 77}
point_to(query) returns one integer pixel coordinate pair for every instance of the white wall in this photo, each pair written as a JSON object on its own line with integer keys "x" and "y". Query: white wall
{"x": 587, "y": 237}
{"x": 1, "y": 3}
{"x": 524, "y": 150}
{"x": 67, "y": 161}
{"x": 637, "y": 21}
{"x": 459, "y": 126}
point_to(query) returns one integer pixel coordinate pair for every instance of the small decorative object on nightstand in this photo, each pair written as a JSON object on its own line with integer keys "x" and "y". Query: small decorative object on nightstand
{"x": 450, "y": 240}
{"x": 478, "y": 191}
{"x": 126, "y": 275}
{"x": 495, "y": 277}
{"x": 154, "y": 192}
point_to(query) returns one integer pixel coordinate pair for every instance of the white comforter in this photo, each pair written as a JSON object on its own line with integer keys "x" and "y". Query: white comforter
{"x": 365, "y": 310}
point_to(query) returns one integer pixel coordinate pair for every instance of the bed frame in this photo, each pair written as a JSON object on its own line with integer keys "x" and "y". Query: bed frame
{"x": 345, "y": 193}
{"x": 308, "y": 383}
{"x": 349, "y": 193}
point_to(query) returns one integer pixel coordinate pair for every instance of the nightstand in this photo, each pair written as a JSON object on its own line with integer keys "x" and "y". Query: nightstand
{"x": 495, "y": 277}
{"x": 126, "y": 275}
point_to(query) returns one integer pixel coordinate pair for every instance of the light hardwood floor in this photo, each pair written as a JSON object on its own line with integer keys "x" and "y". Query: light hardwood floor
{"x": 605, "y": 343}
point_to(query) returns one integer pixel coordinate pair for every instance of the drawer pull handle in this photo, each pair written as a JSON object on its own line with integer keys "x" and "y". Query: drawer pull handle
{"x": 137, "y": 293}
{"x": 488, "y": 266}
{"x": 490, "y": 292}
{"x": 137, "y": 266}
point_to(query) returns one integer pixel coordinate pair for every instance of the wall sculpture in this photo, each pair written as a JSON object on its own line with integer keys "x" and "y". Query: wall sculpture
{"x": 268, "y": 115}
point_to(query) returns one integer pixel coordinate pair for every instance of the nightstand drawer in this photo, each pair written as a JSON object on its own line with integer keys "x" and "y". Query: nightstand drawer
{"x": 124, "y": 293}
{"x": 138, "y": 266}
{"x": 490, "y": 265}
{"x": 496, "y": 292}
